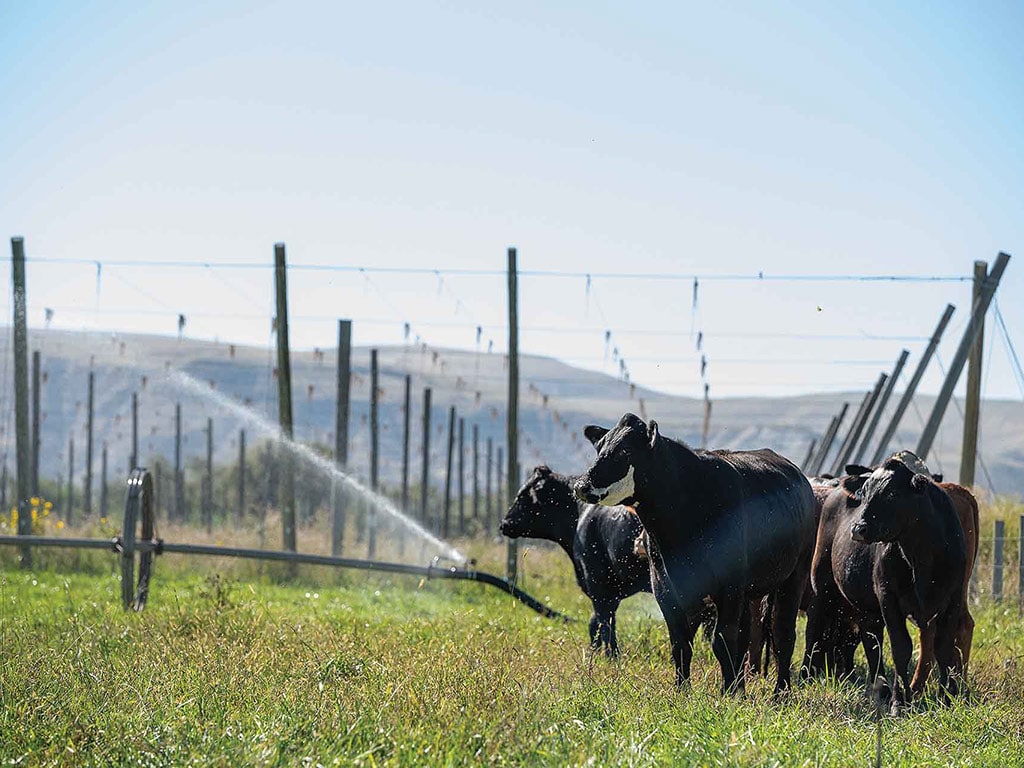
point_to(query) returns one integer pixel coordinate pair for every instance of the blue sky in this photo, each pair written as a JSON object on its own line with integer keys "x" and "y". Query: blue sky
{"x": 840, "y": 138}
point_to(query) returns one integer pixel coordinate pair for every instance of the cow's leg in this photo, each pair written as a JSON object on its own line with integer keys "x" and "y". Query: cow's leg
{"x": 602, "y": 627}
{"x": 680, "y": 638}
{"x": 726, "y": 643}
{"x": 872, "y": 638}
{"x": 926, "y": 659}
{"x": 965, "y": 637}
{"x": 595, "y": 631}
{"x": 814, "y": 638}
{"x": 612, "y": 647}
{"x": 786, "y": 607}
{"x": 951, "y": 665}
{"x": 756, "y": 641}
{"x": 902, "y": 650}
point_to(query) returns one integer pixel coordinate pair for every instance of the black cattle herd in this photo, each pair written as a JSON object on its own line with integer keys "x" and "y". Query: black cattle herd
{"x": 741, "y": 541}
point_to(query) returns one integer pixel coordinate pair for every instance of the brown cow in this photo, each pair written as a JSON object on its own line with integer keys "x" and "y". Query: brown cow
{"x": 890, "y": 545}
{"x": 966, "y": 507}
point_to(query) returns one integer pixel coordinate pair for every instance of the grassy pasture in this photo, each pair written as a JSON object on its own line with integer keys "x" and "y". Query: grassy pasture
{"x": 227, "y": 666}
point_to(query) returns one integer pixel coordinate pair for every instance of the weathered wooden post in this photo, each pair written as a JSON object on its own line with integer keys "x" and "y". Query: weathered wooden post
{"x": 446, "y": 522}
{"x": 972, "y": 404}
{"x": 503, "y": 504}
{"x": 208, "y": 485}
{"x": 36, "y": 418}
{"x": 88, "y": 442}
{"x": 810, "y": 453}
{"x": 133, "y": 458}
{"x": 462, "y": 476}
{"x": 425, "y": 477}
{"x": 371, "y": 522}
{"x": 998, "y": 541}
{"x": 179, "y": 471}
{"x": 488, "y": 488}
{"x": 104, "y": 491}
{"x": 869, "y": 433}
{"x": 284, "y": 402}
{"x": 858, "y": 426}
{"x": 476, "y": 472}
{"x": 857, "y": 419}
{"x": 1020, "y": 565}
{"x": 512, "y": 425}
{"x": 908, "y": 395}
{"x": 406, "y": 434}
{"x": 240, "y": 515}
{"x": 988, "y": 291}
{"x": 828, "y": 439}
{"x": 341, "y": 420}
{"x": 69, "y": 517}
{"x": 158, "y": 488}
{"x": 21, "y": 415}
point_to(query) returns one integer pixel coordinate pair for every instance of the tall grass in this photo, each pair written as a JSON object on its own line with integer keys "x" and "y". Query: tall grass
{"x": 227, "y": 666}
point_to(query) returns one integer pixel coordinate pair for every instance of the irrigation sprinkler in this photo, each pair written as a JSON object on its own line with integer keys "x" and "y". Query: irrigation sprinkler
{"x": 138, "y": 539}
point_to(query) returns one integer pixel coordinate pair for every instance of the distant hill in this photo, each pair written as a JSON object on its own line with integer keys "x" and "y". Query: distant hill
{"x": 475, "y": 383}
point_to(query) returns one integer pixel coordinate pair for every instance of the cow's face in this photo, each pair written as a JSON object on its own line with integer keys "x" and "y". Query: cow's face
{"x": 530, "y": 513}
{"x": 889, "y": 498}
{"x": 611, "y": 478}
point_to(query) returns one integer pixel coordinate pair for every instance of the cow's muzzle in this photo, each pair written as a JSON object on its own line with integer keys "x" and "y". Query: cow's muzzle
{"x": 859, "y": 532}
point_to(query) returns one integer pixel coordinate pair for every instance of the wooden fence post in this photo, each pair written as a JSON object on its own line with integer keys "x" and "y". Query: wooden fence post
{"x": 104, "y": 491}
{"x": 406, "y": 434}
{"x": 341, "y": 420}
{"x": 425, "y": 477}
{"x": 488, "y": 488}
{"x": 476, "y": 472}
{"x": 284, "y": 403}
{"x": 371, "y": 508}
{"x": 69, "y": 517}
{"x": 445, "y": 527}
{"x": 998, "y": 539}
{"x": 89, "y": 423}
{"x": 23, "y": 446}
{"x": 972, "y": 401}
{"x": 208, "y": 491}
{"x": 1020, "y": 566}
{"x": 240, "y": 515}
{"x": 462, "y": 477}
{"x": 503, "y": 503}
{"x": 179, "y": 478}
{"x": 133, "y": 459}
{"x": 36, "y": 436}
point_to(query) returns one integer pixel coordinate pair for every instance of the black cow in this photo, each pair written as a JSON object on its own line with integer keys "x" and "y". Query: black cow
{"x": 731, "y": 526}
{"x": 890, "y": 545}
{"x": 600, "y": 541}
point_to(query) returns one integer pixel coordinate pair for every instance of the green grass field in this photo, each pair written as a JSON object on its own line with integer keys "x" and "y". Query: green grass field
{"x": 227, "y": 666}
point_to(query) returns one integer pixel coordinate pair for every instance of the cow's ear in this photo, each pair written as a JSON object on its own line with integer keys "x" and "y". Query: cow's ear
{"x": 937, "y": 477}
{"x": 543, "y": 470}
{"x": 852, "y": 485}
{"x": 594, "y": 433}
{"x": 894, "y": 465}
{"x": 857, "y": 469}
{"x": 920, "y": 483}
{"x": 652, "y": 433}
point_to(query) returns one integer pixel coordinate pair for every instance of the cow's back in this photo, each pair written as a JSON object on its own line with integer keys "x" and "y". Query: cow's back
{"x": 778, "y": 508}
{"x": 772, "y": 514}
